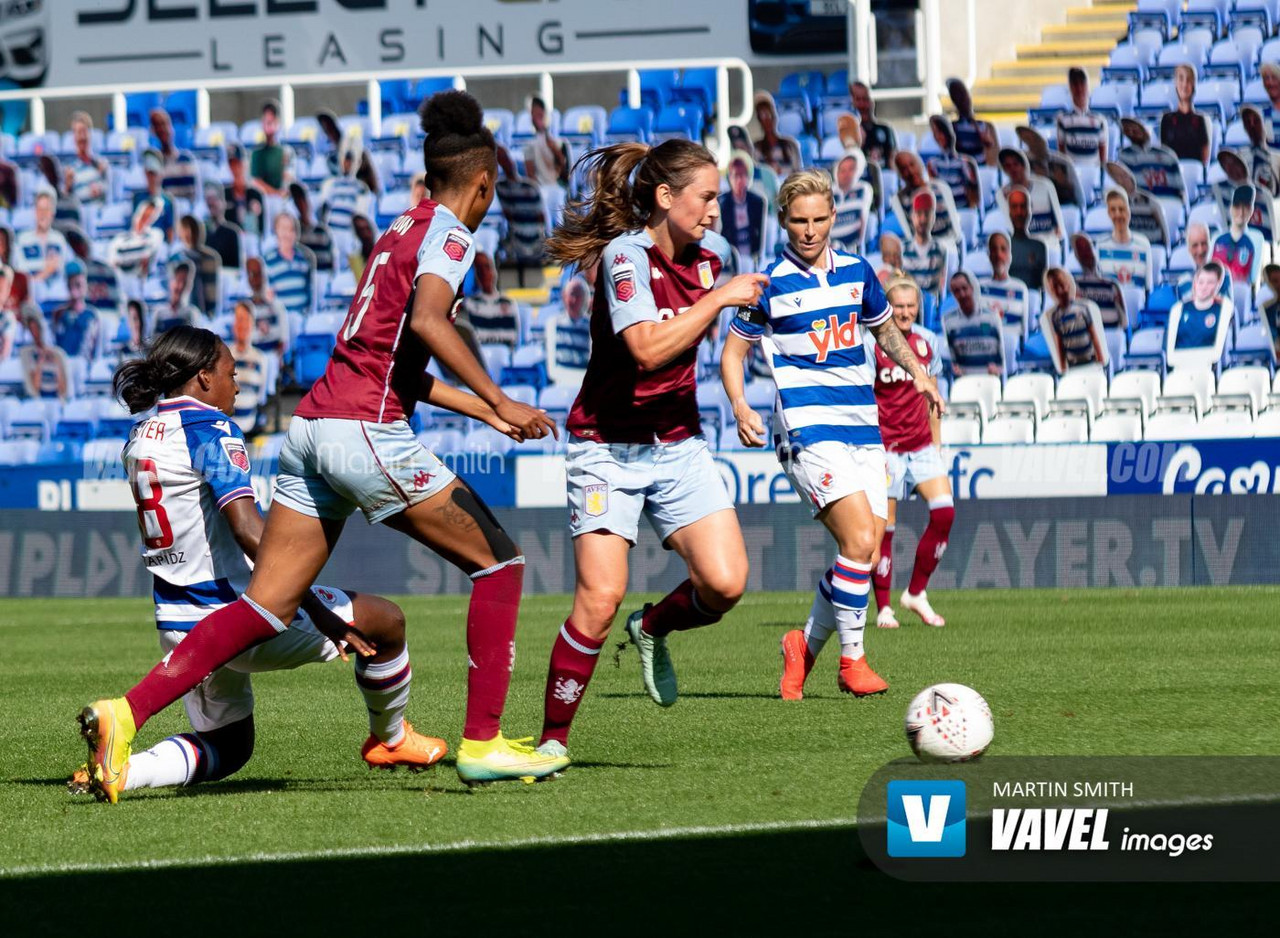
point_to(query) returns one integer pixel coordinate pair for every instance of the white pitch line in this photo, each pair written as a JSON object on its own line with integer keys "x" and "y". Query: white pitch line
{"x": 456, "y": 846}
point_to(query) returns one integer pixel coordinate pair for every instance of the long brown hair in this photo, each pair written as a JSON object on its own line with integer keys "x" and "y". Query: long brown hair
{"x": 618, "y": 204}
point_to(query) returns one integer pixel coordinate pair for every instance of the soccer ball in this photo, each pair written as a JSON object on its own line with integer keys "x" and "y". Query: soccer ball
{"x": 948, "y": 723}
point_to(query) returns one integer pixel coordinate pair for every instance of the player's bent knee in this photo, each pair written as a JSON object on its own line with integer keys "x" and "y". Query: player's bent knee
{"x": 379, "y": 619}
{"x": 228, "y": 749}
{"x": 722, "y": 589}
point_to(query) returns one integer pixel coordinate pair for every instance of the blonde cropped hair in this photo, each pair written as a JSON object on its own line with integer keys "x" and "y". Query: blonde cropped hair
{"x": 904, "y": 282}
{"x": 804, "y": 182}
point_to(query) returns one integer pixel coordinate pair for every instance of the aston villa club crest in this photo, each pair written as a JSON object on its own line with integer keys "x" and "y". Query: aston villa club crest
{"x": 455, "y": 246}
{"x": 705, "y": 276}
{"x": 596, "y": 499}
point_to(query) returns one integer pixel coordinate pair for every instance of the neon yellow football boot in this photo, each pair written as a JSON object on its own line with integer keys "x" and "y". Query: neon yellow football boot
{"x": 107, "y": 728}
{"x": 500, "y": 759}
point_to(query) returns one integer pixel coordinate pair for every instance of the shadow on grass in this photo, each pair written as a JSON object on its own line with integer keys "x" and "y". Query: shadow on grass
{"x": 752, "y": 884}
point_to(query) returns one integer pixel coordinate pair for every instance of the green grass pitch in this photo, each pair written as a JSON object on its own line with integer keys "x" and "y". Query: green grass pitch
{"x": 732, "y": 786}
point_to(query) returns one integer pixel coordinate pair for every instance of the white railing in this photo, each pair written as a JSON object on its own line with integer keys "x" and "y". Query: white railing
{"x": 284, "y": 85}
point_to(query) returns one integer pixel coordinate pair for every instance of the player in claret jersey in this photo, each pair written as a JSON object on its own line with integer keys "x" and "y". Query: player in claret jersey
{"x": 636, "y": 446}
{"x": 913, "y": 442}
{"x": 201, "y": 530}
{"x": 816, "y": 312}
{"x": 349, "y": 446}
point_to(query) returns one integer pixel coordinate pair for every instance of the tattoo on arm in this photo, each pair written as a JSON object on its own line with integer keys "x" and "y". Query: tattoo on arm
{"x": 890, "y": 338}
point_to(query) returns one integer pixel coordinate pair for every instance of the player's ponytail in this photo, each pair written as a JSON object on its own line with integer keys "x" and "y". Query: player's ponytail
{"x": 173, "y": 359}
{"x": 457, "y": 144}
{"x": 623, "y": 180}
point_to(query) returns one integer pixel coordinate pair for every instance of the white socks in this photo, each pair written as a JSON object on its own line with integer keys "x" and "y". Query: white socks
{"x": 385, "y": 688}
{"x": 172, "y": 761}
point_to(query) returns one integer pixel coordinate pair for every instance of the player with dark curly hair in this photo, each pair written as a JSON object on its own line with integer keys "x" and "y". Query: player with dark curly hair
{"x": 350, "y": 446}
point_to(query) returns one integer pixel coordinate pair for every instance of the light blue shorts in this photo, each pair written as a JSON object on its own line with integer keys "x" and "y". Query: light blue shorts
{"x": 330, "y": 467}
{"x": 907, "y": 470}
{"x": 612, "y": 484}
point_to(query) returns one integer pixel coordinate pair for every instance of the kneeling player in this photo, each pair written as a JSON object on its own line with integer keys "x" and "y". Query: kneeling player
{"x": 200, "y": 526}
{"x": 913, "y": 441}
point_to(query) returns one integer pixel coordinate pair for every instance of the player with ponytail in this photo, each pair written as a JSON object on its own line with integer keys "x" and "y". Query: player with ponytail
{"x": 636, "y": 446}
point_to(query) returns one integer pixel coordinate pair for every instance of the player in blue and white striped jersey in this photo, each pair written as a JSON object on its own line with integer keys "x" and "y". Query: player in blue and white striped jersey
{"x": 189, "y": 471}
{"x": 825, "y": 423}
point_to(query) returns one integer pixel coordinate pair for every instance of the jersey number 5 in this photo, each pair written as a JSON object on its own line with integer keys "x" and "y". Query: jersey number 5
{"x": 153, "y": 521}
{"x": 356, "y": 316}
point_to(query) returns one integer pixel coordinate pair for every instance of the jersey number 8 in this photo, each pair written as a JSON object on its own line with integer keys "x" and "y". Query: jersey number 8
{"x": 153, "y": 520}
{"x": 365, "y": 298}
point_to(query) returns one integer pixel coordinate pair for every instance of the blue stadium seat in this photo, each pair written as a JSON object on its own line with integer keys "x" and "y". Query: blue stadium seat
{"x": 501, "y": 122}
{"x": 628, "y": 124}
{"x": 114, "y": 421}
{"x": 18, "y": 452}
{"x": 424, "y": 89}
{"x": 1260, "y": 15}
{"x": 138, "y": 107}
{"x": 528, "y": 366}
{"x": 656, "y": 87}
{"x": 697, "y": 86}
{"x": 311, "y": 353}
{"x": 60, "y": 451}
{"x": 584, "y": 125}
{"x": 678, "y": 120}
{"x": 837, "y": 93}
{"x": 79, "y": 420}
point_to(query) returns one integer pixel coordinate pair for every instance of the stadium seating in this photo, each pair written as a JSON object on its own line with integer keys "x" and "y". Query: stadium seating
{"x": 1010, "y": 430}
{"x": 1133, "y": 399}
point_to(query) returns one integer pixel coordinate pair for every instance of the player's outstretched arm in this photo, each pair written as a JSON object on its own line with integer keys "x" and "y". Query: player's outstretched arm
{"x": 655, "y": 345}
{"x": 891, "y": 339}
{"x": 750, "y": 426}
{"x": 430, "y": 322}
{"x": 445, "y": 395}
{"x": 246, "y": 525}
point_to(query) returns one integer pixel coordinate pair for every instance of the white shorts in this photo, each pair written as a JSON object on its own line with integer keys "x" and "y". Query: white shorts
{"x": 612, "y": 484}
{"x": 329, "y": 467}
{"x": 907, "y": 470}
{"x": 226, "y": 695}
{"x": 827, "y": 471}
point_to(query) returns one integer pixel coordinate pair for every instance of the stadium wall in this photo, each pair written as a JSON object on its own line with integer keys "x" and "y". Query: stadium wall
{"x": 976, "y": 472}
{"x": 1120, "y": 541}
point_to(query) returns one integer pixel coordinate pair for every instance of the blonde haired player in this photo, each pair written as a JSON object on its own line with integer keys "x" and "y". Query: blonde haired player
{"x": 912, "y": 435}
{"x": 811, "y": 322}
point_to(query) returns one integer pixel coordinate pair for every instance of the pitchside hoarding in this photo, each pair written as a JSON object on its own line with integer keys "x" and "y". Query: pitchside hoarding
{"x": 755, "y": 478}
{"x": 1122, "y": 541}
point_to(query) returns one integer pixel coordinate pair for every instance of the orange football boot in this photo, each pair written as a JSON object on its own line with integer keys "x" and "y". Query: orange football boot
{"x": 857, "y": 678}
{"x": 415, "y": 751}
{"x": 797, "y": 662}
